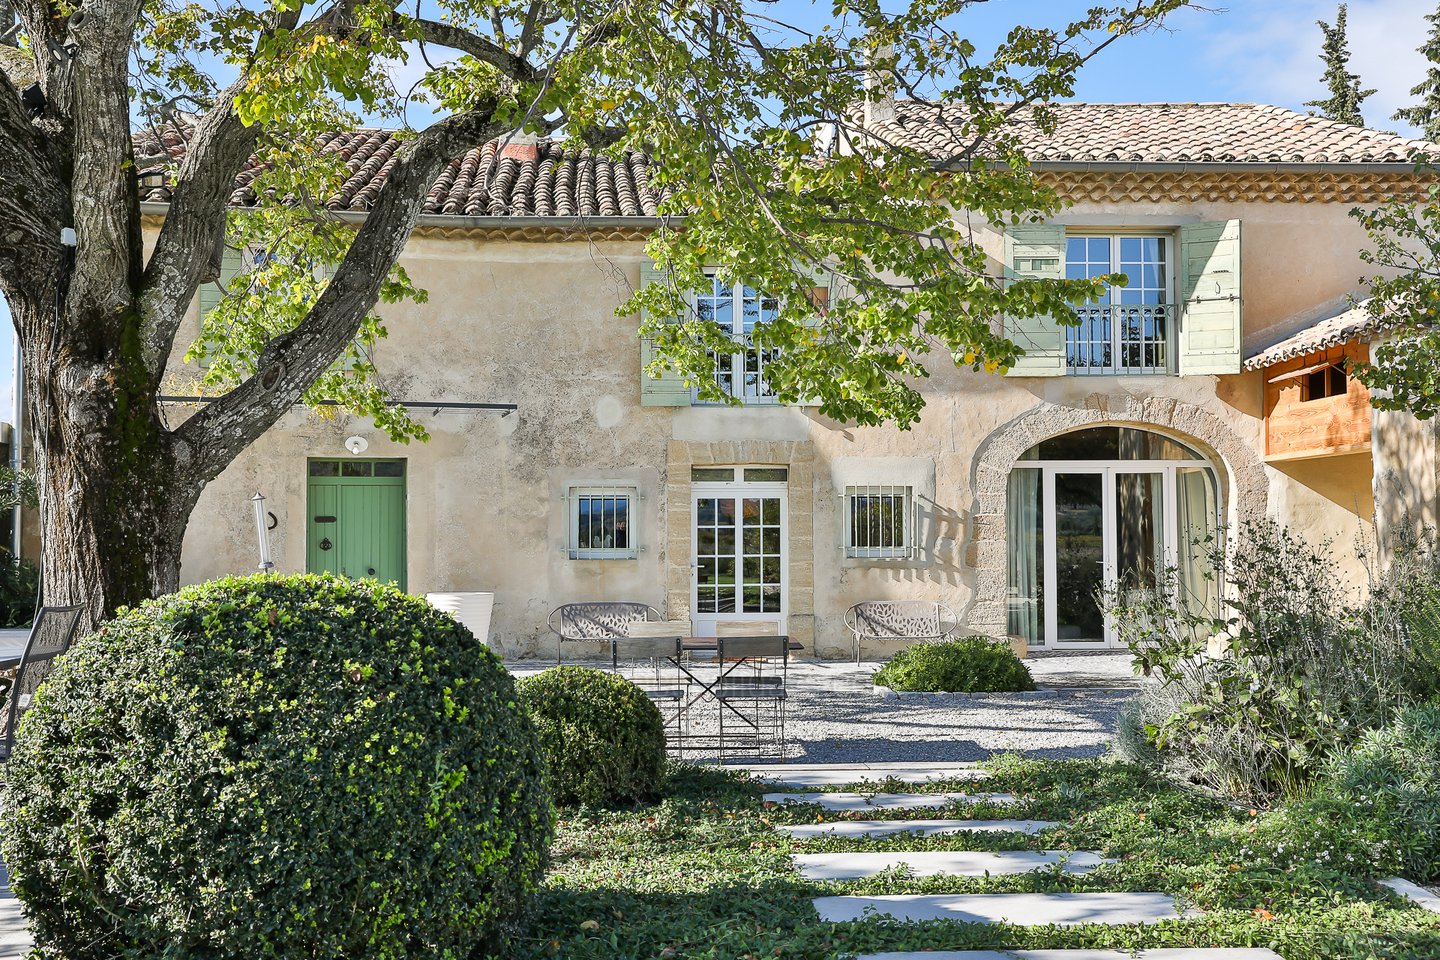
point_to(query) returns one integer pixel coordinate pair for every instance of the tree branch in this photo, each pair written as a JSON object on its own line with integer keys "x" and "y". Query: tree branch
{"x": 482, "y": 49}
{"x": 290, "y": 363}
{"x": 195, "y": 222}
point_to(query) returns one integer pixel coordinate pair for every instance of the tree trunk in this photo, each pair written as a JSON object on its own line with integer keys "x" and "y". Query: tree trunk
{"x": 112, "y": 508}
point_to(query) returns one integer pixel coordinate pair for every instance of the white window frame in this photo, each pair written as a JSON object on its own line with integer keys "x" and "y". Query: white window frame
{"x": 736, "y": 361}
{"x": 1171, "y": 251}
{"x": 585, "y": 491}
{"x": 854, "y": 550}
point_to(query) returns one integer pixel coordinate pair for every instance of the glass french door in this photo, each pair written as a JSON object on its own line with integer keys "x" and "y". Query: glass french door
{"x": 739, "y": 557}
{"x": 1110, "y": 530}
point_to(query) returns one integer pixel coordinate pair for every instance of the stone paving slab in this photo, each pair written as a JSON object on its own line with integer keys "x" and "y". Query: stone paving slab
{"x": 853, "y": 802}
{"x": 1025, "y": 909}
{"x": 1415, "y": 892}
{"x": 843, "y": 774}
{"x": 926, "y": 828}
{"x": 1164, "y": 953}
{"x": 931, "y": 863}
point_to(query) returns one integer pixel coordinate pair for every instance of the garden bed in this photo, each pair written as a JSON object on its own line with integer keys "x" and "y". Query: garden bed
{"x": 705, "y": 873}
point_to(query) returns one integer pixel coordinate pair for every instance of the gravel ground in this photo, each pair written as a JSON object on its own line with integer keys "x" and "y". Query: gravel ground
{"x": 834, "y": 716}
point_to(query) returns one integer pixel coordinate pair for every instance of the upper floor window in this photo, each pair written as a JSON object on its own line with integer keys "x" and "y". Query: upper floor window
{"x": 1330, "y": 380}
{"x": 738, "y": 309}
{"x": 1129, "y": 329}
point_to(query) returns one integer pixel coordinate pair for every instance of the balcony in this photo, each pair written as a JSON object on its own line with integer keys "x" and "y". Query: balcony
{"x": 1121, "y": 338}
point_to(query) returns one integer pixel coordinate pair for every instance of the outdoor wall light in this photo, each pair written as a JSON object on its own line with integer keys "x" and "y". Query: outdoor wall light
{"x": 357, "y": 445}
{"x": 262, "y": 531}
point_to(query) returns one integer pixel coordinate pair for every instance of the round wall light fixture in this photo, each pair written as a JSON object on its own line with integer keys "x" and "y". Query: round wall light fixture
{"x": 357, "y": 445}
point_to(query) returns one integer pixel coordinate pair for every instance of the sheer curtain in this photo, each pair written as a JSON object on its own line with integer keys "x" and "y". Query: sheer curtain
{"x": 1024, "y": 527}
{"x": 1199, "y": 584}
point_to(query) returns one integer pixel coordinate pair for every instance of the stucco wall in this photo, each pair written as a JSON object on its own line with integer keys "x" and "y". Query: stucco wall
{"x": 533, "y": 323}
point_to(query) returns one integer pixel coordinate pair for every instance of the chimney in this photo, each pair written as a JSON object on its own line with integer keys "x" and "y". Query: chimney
{"x": 521, "y": 146}
{"x": 880, "y": 85}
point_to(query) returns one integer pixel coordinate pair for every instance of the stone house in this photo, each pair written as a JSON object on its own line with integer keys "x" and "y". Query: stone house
{"x": 1104, "y": 455}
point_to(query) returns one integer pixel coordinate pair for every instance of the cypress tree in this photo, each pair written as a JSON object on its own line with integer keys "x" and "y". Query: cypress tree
{"x": 1426, "y": 113}
{"x": 1345, "y": 98}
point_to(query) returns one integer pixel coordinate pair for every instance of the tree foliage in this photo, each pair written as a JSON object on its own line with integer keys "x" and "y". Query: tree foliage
{"x": 1425, "y": 114}
{"x": 733, "y": 105}
{"x": 1346, "y": 95}
{"x": 1403, "y": 372}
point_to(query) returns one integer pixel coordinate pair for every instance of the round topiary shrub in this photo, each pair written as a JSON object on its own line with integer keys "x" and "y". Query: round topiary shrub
{"x": 267, "y": 767}
{"x": 604, "y": 741}
{"x": 963, "y": 665}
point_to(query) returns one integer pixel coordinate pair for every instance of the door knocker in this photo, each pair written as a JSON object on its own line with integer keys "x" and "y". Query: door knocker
{"x": 326, "y": 544}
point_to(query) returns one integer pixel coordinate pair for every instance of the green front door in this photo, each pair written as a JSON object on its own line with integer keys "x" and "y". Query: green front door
{"x": 355, "y": 525}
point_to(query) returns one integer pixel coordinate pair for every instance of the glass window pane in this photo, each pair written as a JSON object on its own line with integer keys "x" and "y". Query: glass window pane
{"x": 771, "y": 540}
{"x": 390, "y": 468}
{"x": 350, "y": 468}
{"x": 766, "y": 474}
{"x": 324, "y": 468}
{"x": 752, "y": 600}
{"x": 771, "y": 515}
{"x": 1100, "y": 249}
{"x": 712, "y": 474}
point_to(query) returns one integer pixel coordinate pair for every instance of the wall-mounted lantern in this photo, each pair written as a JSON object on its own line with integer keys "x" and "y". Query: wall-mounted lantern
{"x": 262, "y": 531}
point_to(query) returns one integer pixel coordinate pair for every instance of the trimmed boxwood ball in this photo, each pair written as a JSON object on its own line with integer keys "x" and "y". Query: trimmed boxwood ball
{"x": 604, "y": 740}
{"x": 267, "y": 767}
{"x": 972, "y": 664}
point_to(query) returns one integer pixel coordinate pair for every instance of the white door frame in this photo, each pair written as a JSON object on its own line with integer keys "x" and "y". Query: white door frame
{"x": 703, "y": 624}
{"x": 1109, "y": 539}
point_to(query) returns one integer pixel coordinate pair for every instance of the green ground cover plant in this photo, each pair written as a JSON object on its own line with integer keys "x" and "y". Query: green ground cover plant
{"x": 274, "y": 767}
{"x": 971, "y": 664}
{"x": 603, "y": 738}
{"x": 702, "y": 873}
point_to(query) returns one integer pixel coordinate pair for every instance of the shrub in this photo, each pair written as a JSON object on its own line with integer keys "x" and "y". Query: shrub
{"x": 268, "y": 767}
{"x": 19, "y": 584}
{"x": 1392, "y": 776}
{"x": 1304, "y": 673}
{"x": 963, "y": 665}
{"x": 1133, "y": 742}
{"x": 604, "y": 740}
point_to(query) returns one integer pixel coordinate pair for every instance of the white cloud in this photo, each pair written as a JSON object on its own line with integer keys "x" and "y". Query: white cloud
{"x": 1270, "y": 52}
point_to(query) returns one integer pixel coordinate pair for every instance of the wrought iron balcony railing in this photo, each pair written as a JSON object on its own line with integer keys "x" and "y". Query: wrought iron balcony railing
{"x": 1119, "y": 338}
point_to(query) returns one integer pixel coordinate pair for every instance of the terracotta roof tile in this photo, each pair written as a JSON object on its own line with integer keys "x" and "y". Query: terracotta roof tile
{"x": 546, "y": 181}
{"x": 1163, "y": 133}
{"x": 1353, "y": 324}
{"x": 550, "y": 180}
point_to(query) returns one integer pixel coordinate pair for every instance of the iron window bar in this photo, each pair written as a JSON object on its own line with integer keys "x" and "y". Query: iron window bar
{"x": 601, "y": 521}
{"x": 879, "y": 522}
{"x": 1122, "y": 338}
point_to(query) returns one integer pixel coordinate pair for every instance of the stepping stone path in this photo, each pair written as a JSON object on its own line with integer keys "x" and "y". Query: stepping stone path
{"x": 853, "y": 866}
{"x": 1414, "y": 892}
{"x": 925, "y": 828}
{"x": 853, "y": 802}
{"x": 844, "y": 774}
{"x": 1164, "y": 953}
{"x": 1026, "y": 909}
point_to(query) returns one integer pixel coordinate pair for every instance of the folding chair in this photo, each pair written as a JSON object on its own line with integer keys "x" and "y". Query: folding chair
{"x": 650, "y": 659}
{"x": 51, "y": 636}
{"x": 751, "y": 692}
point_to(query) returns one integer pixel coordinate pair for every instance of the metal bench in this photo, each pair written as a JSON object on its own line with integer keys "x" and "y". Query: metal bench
{"x": 914, "y": 620}
{"x": 598, "y": 621}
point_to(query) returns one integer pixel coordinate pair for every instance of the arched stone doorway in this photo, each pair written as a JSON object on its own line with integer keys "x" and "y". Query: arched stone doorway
{"x": 1123, "y": 487}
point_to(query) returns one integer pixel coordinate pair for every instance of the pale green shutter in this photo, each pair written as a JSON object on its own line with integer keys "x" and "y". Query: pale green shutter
{"x": 669, "y": 389}
{"x": 232, "y": 265}
{"x": 1210, "y": 298}
{"x": 1036, "y": 251}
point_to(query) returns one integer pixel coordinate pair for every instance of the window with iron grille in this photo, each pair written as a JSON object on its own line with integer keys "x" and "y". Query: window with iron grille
{"x": 1129, "y": 329}
{"x": 602, "y": 523}
{"x": 879, "y": 522}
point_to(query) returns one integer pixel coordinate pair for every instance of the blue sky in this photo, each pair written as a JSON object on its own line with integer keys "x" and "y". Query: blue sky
{"x": 1263, "y": 51}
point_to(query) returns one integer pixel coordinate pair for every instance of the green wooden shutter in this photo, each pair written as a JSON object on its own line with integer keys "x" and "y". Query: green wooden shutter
{"x": 232, "y": 265}
{"x": 669, "y": 389}
{"x": 1036, "y": 250}
{"x": 1210, "y": 298}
